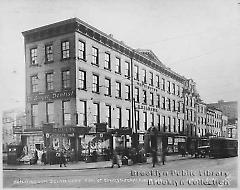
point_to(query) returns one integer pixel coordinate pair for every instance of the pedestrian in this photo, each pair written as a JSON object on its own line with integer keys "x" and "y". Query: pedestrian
{"x": 62, "y": 158}
{"x": 35, "y": 157}
{"x": 44, "y": 158}
{"x": 154, "y": 157}
{"x": 183, "y": 152}
{"x": 115, "y": 159}
{"x": 163, "y": 156}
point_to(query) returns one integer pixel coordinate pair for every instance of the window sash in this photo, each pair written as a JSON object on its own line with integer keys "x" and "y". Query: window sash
{"x": 49, "y": 52}
{"x": 34, "y": 83}
{"x": 119, "y": 117}
{"x": 163, "y": 103}
{"x": 33, "y": 56}
{"x": 34, "y": 115}
{"x": 108, "y": 86}
{"x": 95, "y": 84}
{"x": 107, "y": 60}
{"x": 81, "y": 50}
{"x": 151, "y": 78}
{"x": 49, "y": 80}
{"x": 151, "y": 99}
{"x": 94, "y": 56}
{"x": 108, "y": 115}
{"x": 118, "y": 65}
{"x": 96, "y": 116}
{"x": 127, "y": 68}
{"x": 137, "y": 119}
{"x": 144, "y": 75}
{"x": 137, "y": 94}
{"x": 145, "y": 120}
{"x": 50, "y": 112}
{"x": 66, "y": 79}
{"x": 163, "y": 84}
{"x": 128, "y": 118}
{"x": 118, "y": 89}
{"x": 158, "y": 81}
{"x": 144, "y": 96}
{"x": 136, "y": 72}
{"x": 65, "y": 50}
{"x": 82, "y": 79}
{"x": 127, "y": 92}
{"x": 82, "y": 119}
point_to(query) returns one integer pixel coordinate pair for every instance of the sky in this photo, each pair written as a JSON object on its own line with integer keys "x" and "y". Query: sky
{"x": 199, "y": 39}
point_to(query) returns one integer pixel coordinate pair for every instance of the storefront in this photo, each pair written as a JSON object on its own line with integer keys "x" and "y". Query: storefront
{"x": 32, "y": 140}
{"x": 171, "y": 142}
{"x": 68, "y": 138}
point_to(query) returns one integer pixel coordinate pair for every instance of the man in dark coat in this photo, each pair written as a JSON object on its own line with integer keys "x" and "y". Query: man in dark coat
{"x": 154, "y": 157}
{"x": 62, "y": 158}
{"x": 164, "y": 152}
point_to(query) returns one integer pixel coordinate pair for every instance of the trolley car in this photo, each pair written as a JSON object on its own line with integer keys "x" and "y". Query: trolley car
{"x": 223, "y": 147}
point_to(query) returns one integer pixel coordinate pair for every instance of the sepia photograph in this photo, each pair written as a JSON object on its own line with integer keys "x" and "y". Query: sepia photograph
{"x": 119, "y": 93}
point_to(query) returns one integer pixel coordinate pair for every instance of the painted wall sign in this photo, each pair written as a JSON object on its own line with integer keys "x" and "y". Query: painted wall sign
{"x": 147, "y": 108}
{"x": 51, "y": 96}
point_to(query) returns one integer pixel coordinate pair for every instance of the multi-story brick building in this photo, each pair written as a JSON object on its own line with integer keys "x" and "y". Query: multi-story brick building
{"x": 210, "y": 121}
{"x": 78, "y": 77}
{"x": 229, "y": 109}
{"x": 190, "y": 99}
{"x": 201, "y": 108}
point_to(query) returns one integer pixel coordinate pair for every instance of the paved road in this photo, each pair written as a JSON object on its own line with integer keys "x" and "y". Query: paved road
{"x": 181, "y": 173}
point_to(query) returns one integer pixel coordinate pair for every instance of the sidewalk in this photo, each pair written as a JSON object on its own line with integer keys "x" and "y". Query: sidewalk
{"x": 82, "y": 165}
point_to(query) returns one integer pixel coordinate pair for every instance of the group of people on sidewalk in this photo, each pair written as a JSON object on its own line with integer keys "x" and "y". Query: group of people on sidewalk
{"x": 155, "y": 157}
{"x": 54, "y": 157}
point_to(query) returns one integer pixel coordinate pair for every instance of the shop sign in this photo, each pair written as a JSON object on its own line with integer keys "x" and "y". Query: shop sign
{"x": 64, "y": 130}
{"x": 146, "y": 107}
{"x": 51, "y": 96}
{"x": 17, "y": 129}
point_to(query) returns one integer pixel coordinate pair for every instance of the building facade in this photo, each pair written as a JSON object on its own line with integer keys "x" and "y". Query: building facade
{"x": 230, "y": 109}
{"x": 78, "y": 77}
{"x": 201, "y": 108}
{"x": 13, "y": 123}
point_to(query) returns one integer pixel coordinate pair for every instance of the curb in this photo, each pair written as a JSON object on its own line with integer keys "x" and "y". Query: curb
{"x": 66, "y": 168}
{"x": 54, "y": 168}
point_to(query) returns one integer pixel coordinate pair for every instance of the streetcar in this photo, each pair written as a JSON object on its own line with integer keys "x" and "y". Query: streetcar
{"x": 223, "y": 147}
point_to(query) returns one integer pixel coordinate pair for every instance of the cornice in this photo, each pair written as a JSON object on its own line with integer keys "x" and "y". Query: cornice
{"x": 77, "y": 25}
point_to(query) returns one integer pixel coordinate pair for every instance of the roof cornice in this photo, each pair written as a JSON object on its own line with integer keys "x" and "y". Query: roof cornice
{"x": 77, "y": 25}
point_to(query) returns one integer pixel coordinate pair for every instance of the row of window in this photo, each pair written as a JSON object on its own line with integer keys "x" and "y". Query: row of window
{"x": 190, "y": 115}
{"x": 50, "y": 81}
{"x": 201, "y": 109}
{"x": 65, "y": 52}
{"x": 190, "y": 101}
{"x": 166, "y": 102}
{"x": 169, "y": 124}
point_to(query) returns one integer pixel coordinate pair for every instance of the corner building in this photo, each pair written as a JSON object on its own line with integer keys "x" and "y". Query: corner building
{"x": 87, "y": 92}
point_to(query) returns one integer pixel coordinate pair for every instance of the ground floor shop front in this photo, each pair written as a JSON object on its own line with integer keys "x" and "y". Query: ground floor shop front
{"x": 78, "y": 143}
